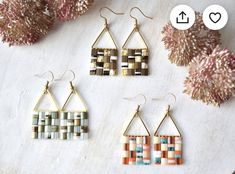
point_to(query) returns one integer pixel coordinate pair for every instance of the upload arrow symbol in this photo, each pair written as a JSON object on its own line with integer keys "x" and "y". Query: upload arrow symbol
{"x": 183, "y": 20}
{"x": 182, "y": 14}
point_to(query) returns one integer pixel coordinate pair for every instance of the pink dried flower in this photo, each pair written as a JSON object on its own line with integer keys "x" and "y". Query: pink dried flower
{"x": 212, "y": 77}
{"x": 24, "y": 21}
{"x": 186, "y": 44}
{"x": 66, "y": 10}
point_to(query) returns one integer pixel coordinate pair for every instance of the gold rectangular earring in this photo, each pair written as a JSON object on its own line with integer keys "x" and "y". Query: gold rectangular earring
{"x": 135, "y": 61}
{"x": 104, "y": 60}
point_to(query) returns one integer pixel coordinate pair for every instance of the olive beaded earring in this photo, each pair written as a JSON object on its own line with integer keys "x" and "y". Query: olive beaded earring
{"x": 45, "y": 123}
{"x": 104, "y": 60}
{"x": 135, "y": 61}
{"x": 73, "y": 123}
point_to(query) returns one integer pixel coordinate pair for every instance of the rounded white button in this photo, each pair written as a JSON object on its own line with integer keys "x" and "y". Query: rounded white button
{"x": 182, "y": 17}
{"x": 215, "y": 17}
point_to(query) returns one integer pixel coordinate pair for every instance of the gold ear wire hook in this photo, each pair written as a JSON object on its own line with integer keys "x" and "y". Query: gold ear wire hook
{"x": 139, "y": 105}
{"x": 169, "y": 94}
{"x": 71, "y": 81}
{"x": 130, "y": 98}
{"x": 48, "y": 81}
{"x": 43, "y": 74}
{"x": 62, "y": 76}
{"x": 169, "y": 106}
{"x": 105, "y": 19}
{"x": 136, "y": 20}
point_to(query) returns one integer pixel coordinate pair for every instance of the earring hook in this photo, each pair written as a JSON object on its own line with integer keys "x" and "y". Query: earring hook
{"x": 71, "y": 81}
{"x": 136, "y": 20}
{"x": 105, "y": 19}
{"x": 131, "y": 98}
{"x": 169, "y": 94}
{"x": 43, "y": 74}
{"x": 62, "y": 76}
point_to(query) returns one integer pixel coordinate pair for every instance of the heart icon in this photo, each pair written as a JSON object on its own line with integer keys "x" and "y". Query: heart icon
{"x": 215, "y": 17}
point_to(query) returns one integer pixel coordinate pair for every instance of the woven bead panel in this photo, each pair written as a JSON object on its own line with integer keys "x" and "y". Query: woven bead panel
{"x": 45, "y": 125}
{"x": 63, "y": 125}
{"x": 103, "y": 62}
{"x": 136, "y": 150}
{"x": 168, "y": 150}
{"x": 135, "y": 62}
{"x": 73, "y": 125}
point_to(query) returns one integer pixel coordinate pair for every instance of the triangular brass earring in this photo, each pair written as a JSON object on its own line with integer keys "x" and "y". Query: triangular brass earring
{"x": 104, "y": 60}
{"x": 136, "y": 148}
{"x": 73, "y": 123}
{"x": 135, "y": 60}
{"x": 45, "y": 122}
{"x": 168, "y": 148}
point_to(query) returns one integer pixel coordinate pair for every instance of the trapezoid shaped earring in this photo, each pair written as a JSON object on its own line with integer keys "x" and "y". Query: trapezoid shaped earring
{"x": 168, "y": 148}
{"x": 45, "y": 123}
{"x": 73, "y": 123}
{"x": 136, "y": 148}
{"x": 104, "y": 60}
{"x": 135, "y": 60}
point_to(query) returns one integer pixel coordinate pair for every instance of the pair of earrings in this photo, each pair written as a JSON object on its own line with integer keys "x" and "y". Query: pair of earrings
{"x": 167, "y": 148}
{"x": 59, "y": 123}
{"x": 134, "y": 61}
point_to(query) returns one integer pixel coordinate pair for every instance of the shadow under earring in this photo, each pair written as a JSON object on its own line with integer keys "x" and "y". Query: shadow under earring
{"x": 45, "y": 123}
{"x": 73, "y": 123}
{"x": 135, "y": 60}
{"x": 104, "y": 60}
{"x": 136, "y": 148}
{"x": 167, "y": 148}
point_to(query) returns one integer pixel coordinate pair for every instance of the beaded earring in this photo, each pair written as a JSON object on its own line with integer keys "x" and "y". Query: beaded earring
{"x": 136, "y": 148}
{"x": 135, "y": 61}
{"x": 45, "y": 123}
{"x": 168, "y": 148}
{"x": 73, "y": 123}
{"x": 104, "y": 60}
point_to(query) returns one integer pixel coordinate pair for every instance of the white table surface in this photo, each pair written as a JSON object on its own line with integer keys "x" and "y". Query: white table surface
{"x": 208, "y": 131}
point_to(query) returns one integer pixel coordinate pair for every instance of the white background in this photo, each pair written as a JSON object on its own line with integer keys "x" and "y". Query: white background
{"x": 208, "y": 131}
